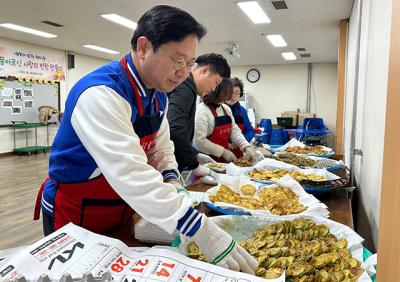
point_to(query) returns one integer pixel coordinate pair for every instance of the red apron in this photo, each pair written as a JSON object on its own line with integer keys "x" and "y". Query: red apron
{"x": 222, "y": 131}
{"x": 239, "y": 120}
{"x": 93, "y": 204}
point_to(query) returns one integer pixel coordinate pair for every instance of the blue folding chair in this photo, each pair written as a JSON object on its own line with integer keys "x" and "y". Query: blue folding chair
{"x": 314, "y": 131}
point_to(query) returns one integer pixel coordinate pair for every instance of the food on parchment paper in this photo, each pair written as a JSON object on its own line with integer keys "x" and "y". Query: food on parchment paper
{"x": 243, "y": 163}
{"x": 295, "y": 160}
{"x": 317, "y": 150}
{"x": 227, "y": 195}
{"x": 306, "y": 251}
{"x": 281, "y": 201}
{"x": 277, "y": 200}
{"x": 275, "y": 174}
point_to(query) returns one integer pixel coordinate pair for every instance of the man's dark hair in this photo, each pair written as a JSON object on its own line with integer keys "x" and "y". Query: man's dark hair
{"x": 223, "y": 92}
{"x": 216, "y": 62}
{"x": 162, "y": 24}
{"x": 239, "y": 83}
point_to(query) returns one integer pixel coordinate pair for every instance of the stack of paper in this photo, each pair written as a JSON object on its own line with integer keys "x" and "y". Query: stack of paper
{"x": 151, "y": 233}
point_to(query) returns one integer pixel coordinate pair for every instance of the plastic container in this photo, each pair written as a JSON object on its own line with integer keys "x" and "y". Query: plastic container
{"x": 263, "y": 138}
{"x": 279, "y": 137}
{"x": 285, "y": 122}
{"x": 266, "y": 124}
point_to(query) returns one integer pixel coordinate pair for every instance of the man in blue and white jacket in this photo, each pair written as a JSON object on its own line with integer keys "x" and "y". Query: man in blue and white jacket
{"x": 112, "y": 154}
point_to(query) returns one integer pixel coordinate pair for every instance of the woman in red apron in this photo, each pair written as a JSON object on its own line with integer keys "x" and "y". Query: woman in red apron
{"x": 215, "y": 127}
{"x": 240, "y": 115}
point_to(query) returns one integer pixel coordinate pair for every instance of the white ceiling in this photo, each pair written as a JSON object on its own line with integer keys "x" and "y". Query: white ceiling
{"x": 313, "y": 24}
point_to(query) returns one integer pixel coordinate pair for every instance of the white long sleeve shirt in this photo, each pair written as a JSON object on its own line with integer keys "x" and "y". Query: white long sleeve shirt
{"x": 204, "y": 127}
{"x": 101, "y": 119}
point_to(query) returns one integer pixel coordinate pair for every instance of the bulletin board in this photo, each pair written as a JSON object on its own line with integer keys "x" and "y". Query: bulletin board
{"x": 20, "y": 100}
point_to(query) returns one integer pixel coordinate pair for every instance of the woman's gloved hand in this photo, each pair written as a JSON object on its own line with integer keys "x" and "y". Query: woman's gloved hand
{"x": 229, "y": 156}
{"x": 201, "y": 170}
{"x": 205, "y": 159}
{"x": 249, "y": 154}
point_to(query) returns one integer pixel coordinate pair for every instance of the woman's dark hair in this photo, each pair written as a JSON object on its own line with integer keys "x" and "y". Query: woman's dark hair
{"x": 162, "y": 24}
{"x": 239, "y": 83}
{"x": 222, "y": 93}
{"x": 216, "y": 62}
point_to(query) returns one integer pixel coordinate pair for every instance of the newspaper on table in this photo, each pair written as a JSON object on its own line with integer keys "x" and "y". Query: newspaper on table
{"x": 314, "y": 206}
{"x": 76, "y": 251}
{"x": 242, "y": 228}
{"x": 233, "y": 170}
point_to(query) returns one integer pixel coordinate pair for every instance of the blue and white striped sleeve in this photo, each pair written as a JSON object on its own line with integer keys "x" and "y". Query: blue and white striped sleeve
{"x": 170, "y": 174}
{"x": 190, "y": 222}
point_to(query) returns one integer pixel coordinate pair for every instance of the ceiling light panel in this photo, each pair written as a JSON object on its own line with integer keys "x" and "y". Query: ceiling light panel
{"x": 276, "y": 40}
{"x": 254, "y": 11}
{"x": 289, "y": 56}
{"x": 120, "y": 20}
{"x": 101, "y": 49}
{"x": 28, "y": 30}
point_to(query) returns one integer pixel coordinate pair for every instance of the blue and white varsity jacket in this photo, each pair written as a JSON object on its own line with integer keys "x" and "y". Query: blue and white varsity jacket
{"x": 96, "y": 136}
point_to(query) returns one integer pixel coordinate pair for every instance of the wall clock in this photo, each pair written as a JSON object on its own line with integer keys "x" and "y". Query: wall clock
{"x": 253, "y": 75}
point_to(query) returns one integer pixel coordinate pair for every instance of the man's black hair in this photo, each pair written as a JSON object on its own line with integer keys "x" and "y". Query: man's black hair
{"x": 216, "y": 62}
{"x": 162, "y": 24}
{"x": 223, "y": 92}
{"x": 239, "y": 83}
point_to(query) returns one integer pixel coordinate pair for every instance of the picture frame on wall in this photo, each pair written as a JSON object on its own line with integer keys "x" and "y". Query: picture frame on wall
{"x": 7, "y": 92}
{"x": 28, "y": 93}
{"x": 17, "y": 93}
{"x": 28, "y": 103}
{"x": 16, "y": 110}
{"x": 7, "y": 103}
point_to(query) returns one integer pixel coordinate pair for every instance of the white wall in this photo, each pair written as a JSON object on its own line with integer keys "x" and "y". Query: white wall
{"x": 284, "y": 88}
{"x": 371, "y": 107}
{"x": 83, "y": 65}
{"x": 324, "y": 96}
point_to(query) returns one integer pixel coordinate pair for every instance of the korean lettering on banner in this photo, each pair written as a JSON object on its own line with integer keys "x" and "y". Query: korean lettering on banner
{"x": 28, "y": 64}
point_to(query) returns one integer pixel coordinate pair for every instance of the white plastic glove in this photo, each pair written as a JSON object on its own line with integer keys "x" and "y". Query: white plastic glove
{"x": 229, "y": 156}
{"x": 232, "y": 146}
{"x": 178, "y": 186}
{"x": 221, "y": 249}
{"x": 259, "y": 156}
{"x": 249, "y": 154}
{"x": 205, "y": 159}
{"x": 201, "y": 170}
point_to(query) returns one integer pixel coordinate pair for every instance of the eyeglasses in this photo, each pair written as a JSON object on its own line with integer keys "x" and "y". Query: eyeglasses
{"x": 178, "y": 64}
{"x": 181, "y": 63}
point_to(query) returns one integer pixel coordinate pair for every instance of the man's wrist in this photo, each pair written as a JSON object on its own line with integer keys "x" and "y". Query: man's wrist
{"x": 172, "y": 181}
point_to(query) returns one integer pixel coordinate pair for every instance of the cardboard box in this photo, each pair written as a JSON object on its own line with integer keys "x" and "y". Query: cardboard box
{"x": 293, "y": 115}
{"x": 302, "y": 116}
